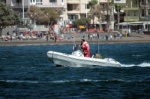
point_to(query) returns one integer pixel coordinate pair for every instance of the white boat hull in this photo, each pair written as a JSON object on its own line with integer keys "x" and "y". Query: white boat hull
{"x": 62, "y": 59}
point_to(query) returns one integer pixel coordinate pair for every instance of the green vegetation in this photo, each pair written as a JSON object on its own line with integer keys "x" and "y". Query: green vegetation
{"x": 82, "y": 21}
{"x": 118, "y": 8}
{"x": 8, "y": 17}
{"x": 92, "y": 3}
{"x": 95, "y": 11}
{"x": 43, "y": 16}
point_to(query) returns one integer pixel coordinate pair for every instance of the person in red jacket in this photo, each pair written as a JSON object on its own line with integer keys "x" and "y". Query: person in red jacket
{"x": 85, "y": 48}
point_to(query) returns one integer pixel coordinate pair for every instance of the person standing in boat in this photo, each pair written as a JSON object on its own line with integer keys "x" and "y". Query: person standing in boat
{"x": 85, "y": 48}
{"x": 76, "y": 47}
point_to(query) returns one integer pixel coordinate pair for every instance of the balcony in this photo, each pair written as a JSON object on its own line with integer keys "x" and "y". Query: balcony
{"x": 142, "y": 4}
{"x": 73, "y": 1}
{"x": 53, "y": 5}
{"x": 131, "y": 18}
{"x": 73, "y": 11}
{"x": 73, "y": 8}
{"x": 39, "y": 3}
{"x": 18, "y": 5}
{"x": 145, "y": 18}
{"x": 131, "y": 8}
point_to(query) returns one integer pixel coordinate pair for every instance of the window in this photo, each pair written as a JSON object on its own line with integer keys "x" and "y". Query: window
{"x": 69, "y": 7}
{"x": 148, "y": 11}
{"x": 143, "y": 12}
{"x": 38, "y": 0}
{"x": 72, "y": 17}
{"x": 52, "y": 1}
{"x": 135, "y": 13}
{"x": 83, "y": 16}
{"x": 88, "y": 6}
{"x": 18, "y": 1}
{"x": 3, "y": 1}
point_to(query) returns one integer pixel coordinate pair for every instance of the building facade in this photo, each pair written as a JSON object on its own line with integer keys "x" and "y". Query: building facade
{"x": 135, "y": 10}
{"x": 77, "y": 9}
{"x": 145, "y": 10}
{"x": 72, "y": 9}
{"x": 21, "y": 6}
{"x": 132, "y": 12}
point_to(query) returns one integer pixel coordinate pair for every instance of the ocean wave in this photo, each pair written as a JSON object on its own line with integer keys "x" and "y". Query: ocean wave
{"x": 18, "y": 81}
{"x": 76, "y": 81}
{"x": 95, "y": 81}
{"x": 137, "y": 55}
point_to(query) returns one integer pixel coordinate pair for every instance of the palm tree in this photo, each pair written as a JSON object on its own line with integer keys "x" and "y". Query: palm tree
{"x": 98, "y": 14}
{"x": 92, "y": 12}
{"x": 92, "y": 3}
{"x": 118, "y": 8}
{"x": 95, "y": 11}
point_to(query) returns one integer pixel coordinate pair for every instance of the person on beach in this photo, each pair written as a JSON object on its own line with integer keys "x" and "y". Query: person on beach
{"x": 85, "y": 48}
{"x": 47, "y": 36}
{"x": 83, "y": 34}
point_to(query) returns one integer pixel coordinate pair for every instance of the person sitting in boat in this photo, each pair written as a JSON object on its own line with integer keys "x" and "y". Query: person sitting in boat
{"x": 98, "y": 56}
{"x": 85, "y": 48}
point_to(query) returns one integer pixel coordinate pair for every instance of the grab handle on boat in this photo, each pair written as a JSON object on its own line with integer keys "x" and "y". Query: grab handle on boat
{"x": 92, "y": 56}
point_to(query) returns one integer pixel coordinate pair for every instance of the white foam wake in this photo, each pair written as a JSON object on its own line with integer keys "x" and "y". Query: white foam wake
{"x": 144, "y": 64}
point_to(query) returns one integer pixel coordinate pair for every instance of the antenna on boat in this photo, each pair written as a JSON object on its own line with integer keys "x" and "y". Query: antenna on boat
{"x": 98, "y": 44}
{"x": 74, "y": 33}
{"x": 99, "y": 55}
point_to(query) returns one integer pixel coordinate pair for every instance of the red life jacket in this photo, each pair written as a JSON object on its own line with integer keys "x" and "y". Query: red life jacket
{"x": 86, "y": 49}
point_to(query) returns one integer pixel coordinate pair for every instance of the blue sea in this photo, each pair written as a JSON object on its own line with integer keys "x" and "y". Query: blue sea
{"x": 26, "y": 73}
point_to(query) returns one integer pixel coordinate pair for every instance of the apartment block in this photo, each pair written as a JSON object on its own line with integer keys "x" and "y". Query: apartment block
{"x": 71, "y": 9}
{"x": 22, "y": 6}
{"x": 145, "y": 10}
{"x": 77, "y": 9}
{"x": 132, "y": 11}
{"x": 136, "y": 10}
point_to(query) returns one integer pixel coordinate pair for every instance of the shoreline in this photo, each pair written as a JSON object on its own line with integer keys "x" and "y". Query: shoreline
{"x": 132, "y": 39}
{"x": 16, "y": 43}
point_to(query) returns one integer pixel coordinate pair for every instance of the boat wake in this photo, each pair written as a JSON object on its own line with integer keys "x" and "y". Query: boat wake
{"x": 144, "y": 64}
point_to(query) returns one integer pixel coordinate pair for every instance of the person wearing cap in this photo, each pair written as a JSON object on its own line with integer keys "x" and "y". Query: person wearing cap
{"x": 85, "y": 48}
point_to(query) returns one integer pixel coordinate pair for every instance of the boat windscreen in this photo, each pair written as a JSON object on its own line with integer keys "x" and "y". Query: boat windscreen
{"x": 77, "y": 47}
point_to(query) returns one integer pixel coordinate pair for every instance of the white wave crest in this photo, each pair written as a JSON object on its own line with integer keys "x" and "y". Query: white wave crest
{"x": 144, "y": 64}
{"x": 19, "y": 81}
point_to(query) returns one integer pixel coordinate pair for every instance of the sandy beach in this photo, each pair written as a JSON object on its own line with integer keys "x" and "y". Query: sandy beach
{"x": 134, "y": 38}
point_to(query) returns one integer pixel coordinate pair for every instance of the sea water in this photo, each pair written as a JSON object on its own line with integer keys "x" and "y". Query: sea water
{"x": 26, "y": 73}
